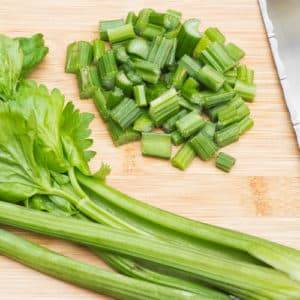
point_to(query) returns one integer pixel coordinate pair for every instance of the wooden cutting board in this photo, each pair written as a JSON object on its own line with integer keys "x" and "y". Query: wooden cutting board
{"x": 260, "y": 196}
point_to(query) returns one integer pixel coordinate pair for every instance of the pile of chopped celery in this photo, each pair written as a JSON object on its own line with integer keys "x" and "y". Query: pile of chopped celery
{"x": 152, "y": 71}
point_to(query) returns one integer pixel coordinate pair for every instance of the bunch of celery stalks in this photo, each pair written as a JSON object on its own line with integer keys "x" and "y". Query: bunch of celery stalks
{"x": 46, "y": 186}
{"x": 157, "y": 79}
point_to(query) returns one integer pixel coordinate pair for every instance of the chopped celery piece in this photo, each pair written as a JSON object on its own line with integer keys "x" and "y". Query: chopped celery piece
{"x": 190, "y": 124}
{"x": 134, "y": 77}
{"x": 190, "y": 84}
{"x": 210, "y": 78}
{"x": 119, "y": 44}
{"x": 245, "y": 124}
{"x": 114, "y": 97}
{"x": 192, "y": 66}
{"x": 121, "y": 33}
{"x": 179, "y": 76}
{"x": 188, "y": 105}
{"x": 168, "y": 20}
{"x": 142, "y": 20}
{"x": 215, "y": 35}
{"x": 217, "y": 99}
{"x": 156, "y": 145}
{"x": 151, "y": 31}
{"x": 100, "y": 102}
{"x": 209, "y": 129}
{"x": 245, "y": 74}
{"x": 79, "y": 55}
{"x": 150, "y": 72}
{"x": 88, "y": 81}
{"x": 159, "y": 51}
{"x": 188, "y": 37}
{"x": 164, "y": 107}
{"x": 203, "y": 146}
{"x": 107, "y": 68}
{"x": 140, "y": 95}
{"x": 121, "y": 55}
{"x": 124, "y": 83}
{"x": 183, "y": 157}
{"x": 98, "y": 49}
{"x": 173, "y": 33}
{"x": 143, "y": 124}
{"x": 202, "y": 45}
{"x": 138, "y": 47}
{"x": 245, "y": 90}
{"x": 122, "y": 136}
{"x": 225, "y": 162}
{"x": 234, "y": 51}
{"x": 126, "y": 113}
{"x": 177, "y": 138}
{"x": 131, "y": 18}
{"x": 227, "y": 135}
{"x": 153, "y": 91}
{"x": 170, "y": 124}
{"x": 171, "y": 60}
{"x": 109, "y": 24}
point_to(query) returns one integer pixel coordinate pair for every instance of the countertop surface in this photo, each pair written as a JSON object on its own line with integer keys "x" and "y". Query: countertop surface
{"x": 260, "y": 196}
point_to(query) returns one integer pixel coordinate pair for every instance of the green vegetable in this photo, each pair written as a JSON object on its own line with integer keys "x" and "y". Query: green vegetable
{"x": 126, "y": 113}
{"x": 98, "y": 49}
{"x": 88, "y": 81}
{"x": 217, "y": 99}
{"x": 227, "y": 135}
{"x": 107, "y": 68}
{"x": 104, "y": 26}
{"x": 245, "y": 90}
{"x": 190, "y": 124}
{"x": 151, "y": 31}
{"x": 138, "y": 47}
{"x": 209, "y": 129}
{"x": 203, "y": 146}
{"x": 101, "y": 104}
{"x": 79, "y": 55}
{"x": 177, "y": 138}
{"x": 215, "y": 35}
{"x": 202, "y": 45}
{"x": 140, "y": 95}
{"x": 183, "y": 157}
{"x": 142, "y": 20}
{"x": 120, "y": 33}
{"x": 148, "y": 71}
{"x": 121, "y": 55}
{"x": 131, "y": 18}
{"x": 210, "y": 78}
{"x": 168, "y": 20}
{"x": 157, "y": 145}
{"x": 170, "y": 125}
{"x": 235, "y": 52}
{"x": 114, "y": 97}
{"x": 245, "y": 74}
{"x": 179, "y": 76}
{"x": 143, "y": 124}
{"x": 225, "y": 162}
{"x": 124, "y": 83}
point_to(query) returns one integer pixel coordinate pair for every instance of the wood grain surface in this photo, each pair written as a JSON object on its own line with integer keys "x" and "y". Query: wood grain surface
{"x": 260, "y": 196}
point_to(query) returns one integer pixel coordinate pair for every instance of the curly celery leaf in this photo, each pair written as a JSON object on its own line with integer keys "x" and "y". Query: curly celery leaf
{"x": 75, "y": 135}
{"x": 11, "y": 61}
{"x": 35, "y": 101}
{"x": 21, "y": 176}
{"x": 34, "y": 50}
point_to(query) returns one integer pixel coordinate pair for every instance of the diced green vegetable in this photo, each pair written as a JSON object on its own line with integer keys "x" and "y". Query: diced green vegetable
{"x": 140, "y": 95}
{"x": 245, "y": 90}
{"x": 142, "y": 20}
{"x": 120, "y": 33}
{"x": 190, "y": 124}
{"x": 203, "y": 146}
{"x": 109, "y": 24}
{"x": 170, "y": 125}
{"x": 177, "y": 138}
{"x": 121, "y": 55}
{"x": 210, "y": 78}
{"x": 171, "y": 60}
{"x": 225, "y": 162}
{"x": 150, "y": 72}
{"x": 245, "y": 74}
{"x": 124, "y": 83}
{"x": 107, "y": 68}
{"x": 202, "y": 45}
{"x": 138, "y": 47}
{"x": 143, "y": 124}
{"x": 217, "y": 99}
{"x": 88, "y": 81}
{"x": 209, "y": 129}
{"x": 131, "y": 18}
{"x": 168, "y": 20}
{"x": 183, "y": 157}
{"x": 179, "y": 76}
{"x": 98, "y": 49}
{"x": 151, "y": 31}
{"x": 100, "y": 102}
{"x": 215, "y": 35}
{"x": 157, "y": 145}
{"x": 227, "y": 135}
{"x": 114, "y": 97}
{"x": 235, "y": 52}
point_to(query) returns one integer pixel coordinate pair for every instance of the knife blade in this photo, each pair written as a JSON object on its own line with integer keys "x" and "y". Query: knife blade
{"x": 281, "y": 19}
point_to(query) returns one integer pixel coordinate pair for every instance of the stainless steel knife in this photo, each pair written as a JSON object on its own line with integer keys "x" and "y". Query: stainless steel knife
{"x": 282, "y": 22}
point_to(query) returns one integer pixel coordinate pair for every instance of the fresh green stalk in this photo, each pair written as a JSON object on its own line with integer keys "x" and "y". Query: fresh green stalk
{"x": 188, "y": 37}
{"x": 202, "y": 45}
{"x": 114, "y": 97}
{"x": 173, "y": 33}
{"x": 245, "y": 124}
{"x": 204, "y": 146}
{"x": 171, "y": 60}
{"x": 207, "y": 58}
{"x": 144, "y": 123}
{"x": 131, "y": 18}
{"x": 140, "y": 95}
{"x": 164, "y": 107}
{"x": 192, "y": 67}
{"x": 138, "y": 47}
{"x": 126, "y": 113}
{"x": 124, "y": 83}
{"x": 151, "y": 31}
{"x": 153, "y": 91}
{"x": 259, "y": 280}
{"x": 234, "y": 51}
{"x": 190, "y": 124}
{"x": 170, "y": 125}
{"x": 120, "y": 33}
{"x": 168, "y": 20}
{"x": 218, "y": 99}
{"x": 156, "y": 145}
{"x": 177, "y": 138}
{"x": 215, "y": 35}
{"x": 100, "y": 102}
{"x": 209, "y": 129}
{"x": 245, "y": 90}
{"x": 134, "y": 77}
{"x": 119, "y": 44}
{"x": 179, "y": 76}
{"x": 147, "y": 70}
{"x": 159, "y": 51}
{"x": 245, "y": 74}
{"x": 88, "y": 81}
{"x": 121, "y": 55}
{"x": 210, "y": 78}
{"x": 98, "y": 49}
{"x": 183, "y": 157}
{"x": 79, "y": 55}
{"x": 109, "y": 24}
{"x": 120, "y": 136}
{"x": 84, "y": 275}
{"x": 190, "y": 84}
{"x": 225, "y": 162}
{"x": 188, "y": 105}
{"x": 107, "y": 68}
{"x": 227, "y": 135}
{"x": 142, "y": 20}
